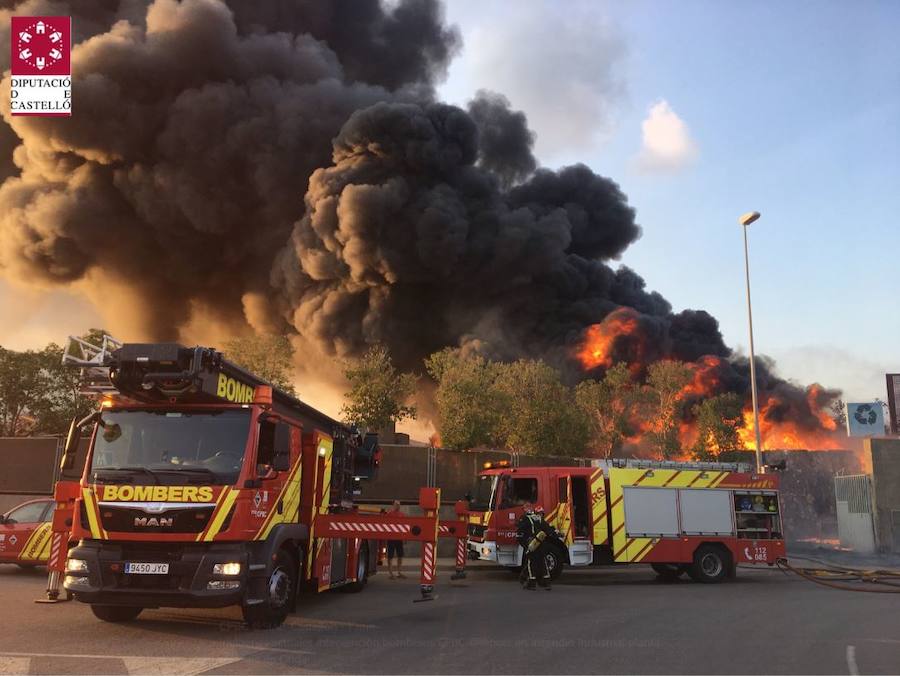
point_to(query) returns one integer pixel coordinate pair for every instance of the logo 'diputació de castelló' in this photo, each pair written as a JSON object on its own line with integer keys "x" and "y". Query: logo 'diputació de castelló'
{"x": 41, "y": 66}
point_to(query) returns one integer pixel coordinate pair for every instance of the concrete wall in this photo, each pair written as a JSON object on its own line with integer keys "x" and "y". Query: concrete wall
{"x": 885, "y": 455}
{"x": 27, "y": 468}
{"x": 28, "y": 465}
{"x": 404, "y": 469}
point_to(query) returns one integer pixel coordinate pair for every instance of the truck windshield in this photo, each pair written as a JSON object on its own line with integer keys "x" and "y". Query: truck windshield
{"x": 166, "y": 447}
{"x": 483, "y": 495}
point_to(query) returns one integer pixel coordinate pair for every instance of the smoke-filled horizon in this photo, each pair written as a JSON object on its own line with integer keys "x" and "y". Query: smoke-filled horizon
{"x": 287, "y": 167}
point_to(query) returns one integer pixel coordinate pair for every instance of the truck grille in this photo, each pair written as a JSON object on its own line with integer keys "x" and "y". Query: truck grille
{"x": 124, "y": 519}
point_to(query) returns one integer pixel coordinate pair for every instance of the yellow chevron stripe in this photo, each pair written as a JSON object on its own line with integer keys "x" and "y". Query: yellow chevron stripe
{"x": 31, "y": 537}
{"x": 202, "y": 534}
{"x": 315, "y": 544}
{"x": 87, "y": 496}
{"x": 35, "y": 543}
{"x": 273, "y": 511}
{"x": 326, "y": 475}
{"x": 45, "y": 552}
{"x": 720, "y": 479}
{"x": 223, "y": 510}
{"x": 289, "y": 497}
{"x": 597, "y": 490}
{"x": 641, "y": 553}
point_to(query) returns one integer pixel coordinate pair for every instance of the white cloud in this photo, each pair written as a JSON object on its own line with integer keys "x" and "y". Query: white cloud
{"x": 558, "y": 62}
{"x": 667, "y": 144}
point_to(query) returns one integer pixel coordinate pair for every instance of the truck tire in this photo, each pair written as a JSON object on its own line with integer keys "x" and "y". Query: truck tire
{"x": 711, "y": 564}
{"x": 362, "y": 572}
{"x": 668, "y": 572}
{"x": 116, "y": 613}
{"x": 280, "y": 589}
{"x": 555, "y": 562}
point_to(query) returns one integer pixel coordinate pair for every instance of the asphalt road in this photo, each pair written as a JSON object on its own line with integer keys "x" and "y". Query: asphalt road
{"x": 594, "y": 621}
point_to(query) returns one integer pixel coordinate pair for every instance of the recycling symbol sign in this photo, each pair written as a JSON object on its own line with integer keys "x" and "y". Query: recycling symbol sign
{"x": 865, "y": 415}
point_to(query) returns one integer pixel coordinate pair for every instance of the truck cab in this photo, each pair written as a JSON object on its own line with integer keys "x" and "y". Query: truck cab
{"x": 498, "y": 504}
{"x": 200, "y": 488}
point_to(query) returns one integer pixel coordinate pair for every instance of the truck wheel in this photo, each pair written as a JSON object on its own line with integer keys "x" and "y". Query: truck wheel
{"x": 280, "y": 589}
{"x": 710, "y": 565}
{"x": 362, "y": 572}
{"x": 116, "y": 613}
{"x": 555, "y": 563}
{"x": 668, "y": 571}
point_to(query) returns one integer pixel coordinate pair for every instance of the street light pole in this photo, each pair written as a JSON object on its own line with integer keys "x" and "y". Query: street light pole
{"x": 745, "y": 222}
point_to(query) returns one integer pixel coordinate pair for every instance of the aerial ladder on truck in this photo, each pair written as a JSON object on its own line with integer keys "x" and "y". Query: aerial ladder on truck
{"x": 206, "y": 486}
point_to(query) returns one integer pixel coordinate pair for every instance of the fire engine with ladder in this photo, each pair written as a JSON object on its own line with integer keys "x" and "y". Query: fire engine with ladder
{"x": 700, "y": 518}
{"x": 205, "y": 486}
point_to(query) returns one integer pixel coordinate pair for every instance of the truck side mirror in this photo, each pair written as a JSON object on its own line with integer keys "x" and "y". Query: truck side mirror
{"x": 72, "y": 439}
{"x": 281, "y": 462}
{"x": 266, "y": 472}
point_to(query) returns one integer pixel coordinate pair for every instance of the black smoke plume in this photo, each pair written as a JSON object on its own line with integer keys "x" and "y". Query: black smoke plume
{"x": 286, "y": 165}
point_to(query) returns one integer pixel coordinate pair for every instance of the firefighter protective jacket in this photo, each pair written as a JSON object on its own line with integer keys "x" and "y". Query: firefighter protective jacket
{"x": 529, "y": 526}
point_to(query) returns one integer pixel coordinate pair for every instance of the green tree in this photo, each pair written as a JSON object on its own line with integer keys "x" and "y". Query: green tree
{"x": 22, "y": 384}
{"x": 666, "y": 381}
{"x": 469, "y": 403}
{"x": 839, "y": 413}
{"x": 378, "y": 394}
{"x": 718, "y": 420}
{"x": 38, "y": 395}
{"x": 540, "y": 415}
{"x": 610, "y": 406}
{"x": 63, "y": 399}
{"x": 269, "y": 356}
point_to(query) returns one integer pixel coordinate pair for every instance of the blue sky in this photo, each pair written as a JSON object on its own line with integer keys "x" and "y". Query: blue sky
{"x": 791, "y": 109}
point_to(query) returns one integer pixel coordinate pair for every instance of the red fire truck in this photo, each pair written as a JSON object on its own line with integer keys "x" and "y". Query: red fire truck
{"x": 700, "y": 518}
{"x": 204, "y": 486}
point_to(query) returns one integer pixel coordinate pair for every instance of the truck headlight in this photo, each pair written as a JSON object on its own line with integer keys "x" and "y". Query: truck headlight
{"x": 230, "y": 568}
{"x": 76, "y": 566}
{"x": 73, "y": 581}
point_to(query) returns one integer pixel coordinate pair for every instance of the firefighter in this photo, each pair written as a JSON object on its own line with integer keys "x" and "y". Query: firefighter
{"x": 533, "y": 533}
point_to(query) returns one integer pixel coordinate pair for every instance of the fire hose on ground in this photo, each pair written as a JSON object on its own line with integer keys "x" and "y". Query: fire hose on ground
{"x": 870, "y": 580}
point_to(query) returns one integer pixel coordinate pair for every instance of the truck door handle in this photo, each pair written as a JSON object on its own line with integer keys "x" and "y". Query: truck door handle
{"x": 280, "y": 506}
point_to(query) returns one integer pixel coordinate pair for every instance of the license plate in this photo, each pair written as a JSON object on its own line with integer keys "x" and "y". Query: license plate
{"x": 137, "y": 568}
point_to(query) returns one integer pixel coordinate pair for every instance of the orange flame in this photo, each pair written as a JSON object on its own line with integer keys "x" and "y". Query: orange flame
{"x": 600, "y": 339}
{"x": 787, "y": 435}
{"x": 706, "y": 381}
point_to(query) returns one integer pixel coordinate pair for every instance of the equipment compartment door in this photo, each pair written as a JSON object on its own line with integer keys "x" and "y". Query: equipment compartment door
{"x": 651, "y": 511}
{"x": 706, "y": 511}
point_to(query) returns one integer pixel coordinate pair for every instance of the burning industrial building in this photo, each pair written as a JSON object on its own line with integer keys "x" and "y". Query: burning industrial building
{"x": 286, "y": 166}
